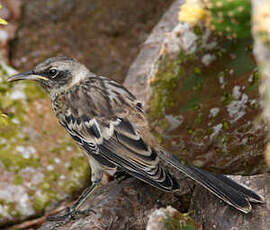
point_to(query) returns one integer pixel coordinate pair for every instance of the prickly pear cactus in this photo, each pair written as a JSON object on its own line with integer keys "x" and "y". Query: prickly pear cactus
{"x": 230, "y": 18}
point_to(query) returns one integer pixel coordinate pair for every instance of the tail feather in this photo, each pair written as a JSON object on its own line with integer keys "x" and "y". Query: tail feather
{"x": 250, "y": 195}
{"x": 223, "y": 187}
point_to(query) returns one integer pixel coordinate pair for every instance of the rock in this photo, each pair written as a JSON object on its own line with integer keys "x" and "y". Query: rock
{"x": 10, "y": 12}
{"x": 39, "y": 163}
{"x": 102, "y": 34}
{"x": 131, "y": 204}
{"x": 200, "y": 91}
{"x": 119, "y": 206}
{"x": 208, "y": 213}
{"x": 211, "y": 132}
{"x": 261, "y": 34}
{"x": 169, "y": 218}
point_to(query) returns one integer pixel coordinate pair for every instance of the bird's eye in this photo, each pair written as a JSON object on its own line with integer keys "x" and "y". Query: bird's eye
{"x": 53, "y": 72}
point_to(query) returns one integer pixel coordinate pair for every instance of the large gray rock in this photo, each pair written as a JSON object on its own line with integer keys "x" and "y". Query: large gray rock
{"x": 209, "y": 213}
{"x": 201, "y": 95}
{"x": 39, "y": 163}
{"x": 129, "y": 204}
{"x": 105, "y": 35}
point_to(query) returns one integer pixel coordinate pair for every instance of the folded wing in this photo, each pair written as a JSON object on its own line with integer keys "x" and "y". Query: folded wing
{"x": 115, "y": 143}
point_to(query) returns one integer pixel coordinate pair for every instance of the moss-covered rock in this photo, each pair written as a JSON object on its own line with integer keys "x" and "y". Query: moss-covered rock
{"x": 170, "y": 219}
{"x": 202, "y": 97}
{"x": 39, "y": 163}
{"x": 204, "y": 103}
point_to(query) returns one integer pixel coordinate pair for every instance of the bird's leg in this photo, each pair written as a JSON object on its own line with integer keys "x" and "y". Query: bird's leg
{"x": 71, "y": 212}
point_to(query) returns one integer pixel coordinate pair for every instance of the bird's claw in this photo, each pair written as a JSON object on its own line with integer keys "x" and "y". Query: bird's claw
{"x": 85, "y": 212}
{"x": 70, "y": 213}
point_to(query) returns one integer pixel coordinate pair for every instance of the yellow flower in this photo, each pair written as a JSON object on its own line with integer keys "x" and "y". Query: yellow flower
{"x": 3, "y": 21}
{"x": 192, "y": 12}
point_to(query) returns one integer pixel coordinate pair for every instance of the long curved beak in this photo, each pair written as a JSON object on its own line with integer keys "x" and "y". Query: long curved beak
{"x": 29, "y": 75}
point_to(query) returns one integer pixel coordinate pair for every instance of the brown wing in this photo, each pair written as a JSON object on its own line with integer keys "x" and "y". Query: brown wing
{"x": 109, "y": 133}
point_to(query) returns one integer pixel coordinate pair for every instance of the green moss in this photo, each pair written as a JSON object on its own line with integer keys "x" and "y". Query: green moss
{"x": 10, "y": 208}
{"x": 33, "y": 91}
{"x": 17, "y": 179}
{"x": 158, "y": 137}
{"x": 56, "y": 150}
{"x": 15, "y": 162}
{"x": 80, "y": 174}
{"x": 190, "y": 104}
{"x": 47, "y": 191}
{"x": 227, "y": 98}
{"x": 164, "y": 86}
{"x": 254, "y": 79}
{"x": 42, "y": 199}
{"x": 16, "y": 133}
{"x": 179, "y": 221}
{"x": 44, "y": 185}
{"x": 226, "y": 125}
{"x": 3, "y": 71}
{"x": 189, "y": 130}
{"x": 185, "y": 87}
{"x": 3, "y": 119}
{"x": 193, "y": 82}
{"x": 199, "y": 118}
{"x": 12, "y": 211}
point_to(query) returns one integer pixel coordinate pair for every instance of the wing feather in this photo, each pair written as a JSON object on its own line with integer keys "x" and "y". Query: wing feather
{"x": 115, "y": 143}
{"x": 100, "y": 117}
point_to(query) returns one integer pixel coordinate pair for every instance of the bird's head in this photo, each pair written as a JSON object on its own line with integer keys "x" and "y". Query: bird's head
{"x": 55, "y": 73}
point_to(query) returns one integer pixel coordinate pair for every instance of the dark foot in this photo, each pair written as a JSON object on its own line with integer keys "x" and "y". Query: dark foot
{"x": 71, "y": 213}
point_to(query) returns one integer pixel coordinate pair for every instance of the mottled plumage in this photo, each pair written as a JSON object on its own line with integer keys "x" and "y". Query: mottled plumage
{"x": 109, "y": 125}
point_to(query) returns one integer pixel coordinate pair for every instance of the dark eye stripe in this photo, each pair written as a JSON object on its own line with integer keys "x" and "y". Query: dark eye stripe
{"x": 58, "y": 76}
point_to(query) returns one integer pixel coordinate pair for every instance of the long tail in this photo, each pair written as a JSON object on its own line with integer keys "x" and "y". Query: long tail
{"x": 226, "y": 189}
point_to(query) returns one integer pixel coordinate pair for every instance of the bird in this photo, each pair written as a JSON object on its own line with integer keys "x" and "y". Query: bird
{"x": 110, "y": 126}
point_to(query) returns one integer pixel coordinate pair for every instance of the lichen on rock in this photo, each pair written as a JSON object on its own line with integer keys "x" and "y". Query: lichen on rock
{"x": 169, "y": 219}
{"x": 211, "y": 72}
{"x": 35, "y": 153}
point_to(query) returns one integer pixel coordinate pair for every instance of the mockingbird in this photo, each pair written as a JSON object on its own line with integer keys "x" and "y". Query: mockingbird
{"x": 109, "y": 125}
